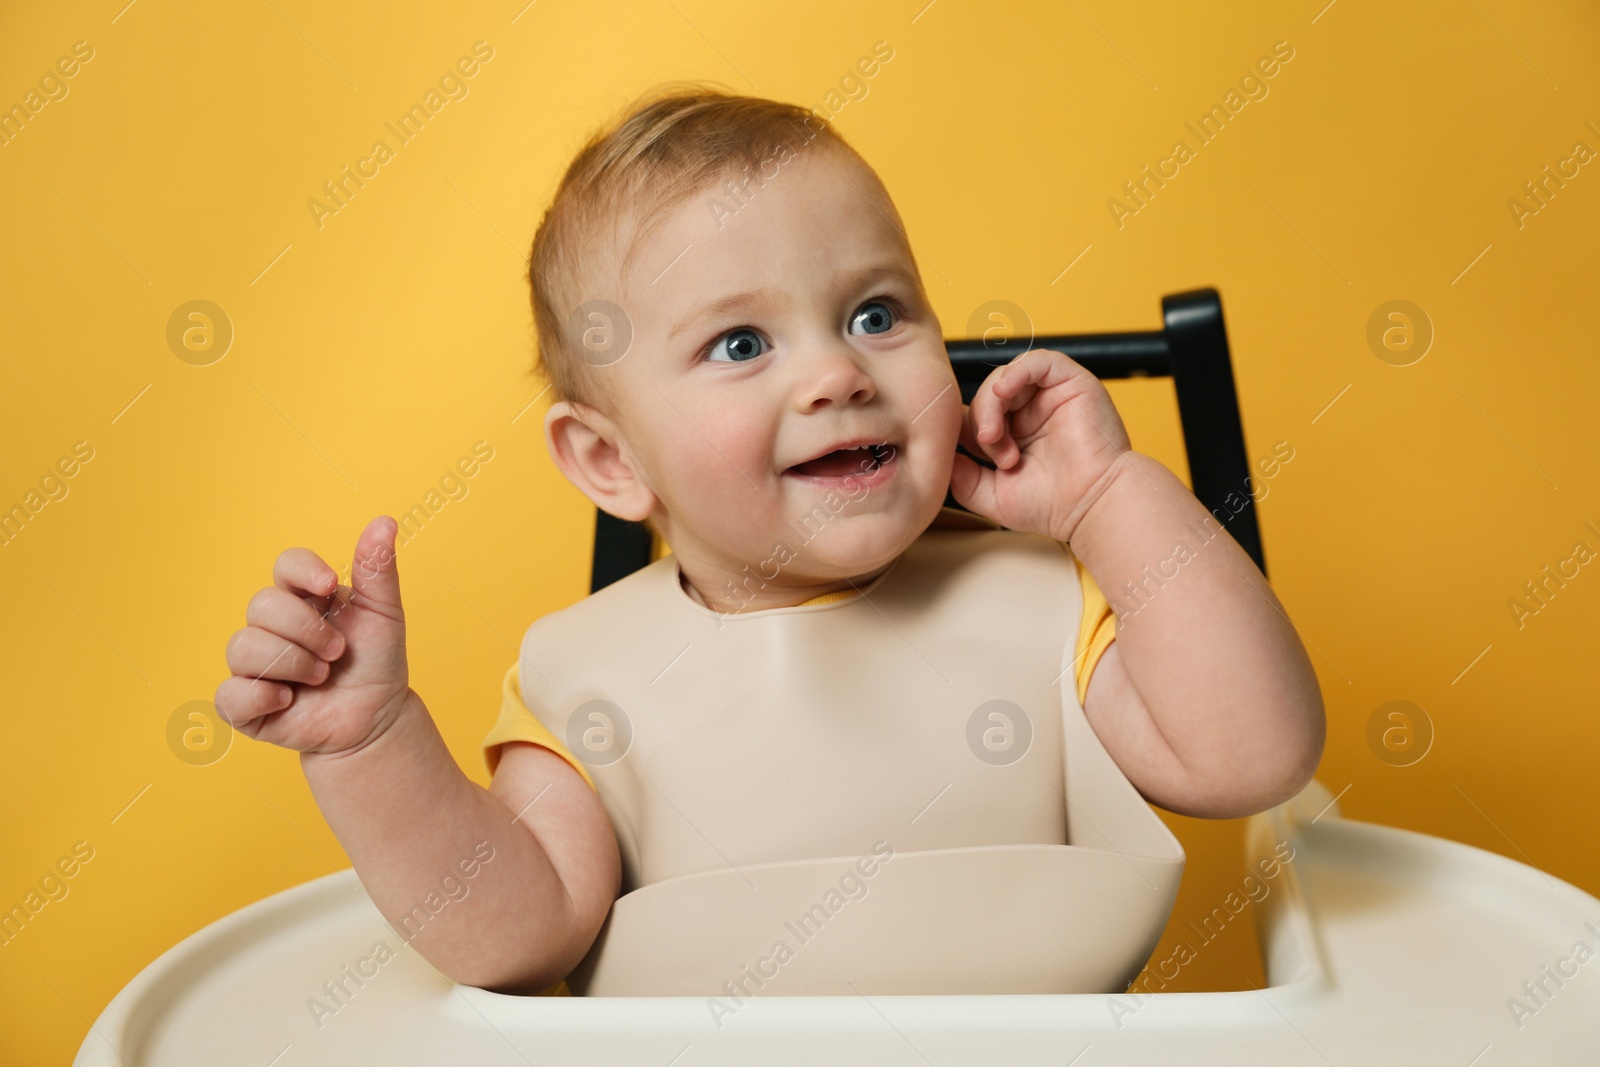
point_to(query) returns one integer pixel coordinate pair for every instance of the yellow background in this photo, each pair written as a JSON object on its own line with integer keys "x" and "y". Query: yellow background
{"x": 375, "y": 351}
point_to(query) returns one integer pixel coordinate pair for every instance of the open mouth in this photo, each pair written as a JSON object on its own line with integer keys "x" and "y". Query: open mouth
{"x": 844, "y": 462}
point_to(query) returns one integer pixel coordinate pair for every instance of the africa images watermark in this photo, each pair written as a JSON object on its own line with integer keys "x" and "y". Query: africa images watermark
{"x": 1252, "y": 86}
{"x": 54, "y": 885}
{"x": 733, "y": 196}
{"x": 1537, "y": 593}
{"x": 340, "y": 990}
{"x": 340, "y": 190}
{"x": 1542, "y": 188}
{"x": 51, "y": 488}
{"x": 805, "y": 529}
{"x": 453, "y": 485}
{"x": 852, "y": 885}
{"x": 1125, "y": 1005}
{"x": 1537, "y": 992}
{"x": 1140, "y": 594}
{"x": 53, "y": 87}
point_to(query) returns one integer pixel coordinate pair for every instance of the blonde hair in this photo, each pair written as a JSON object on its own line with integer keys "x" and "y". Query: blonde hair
{"x": 671, "y": 142}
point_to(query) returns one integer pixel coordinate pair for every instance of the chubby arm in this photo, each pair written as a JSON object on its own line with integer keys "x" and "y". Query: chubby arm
{"x": 407, "y": 816}
{"x": 1206, "y": 699}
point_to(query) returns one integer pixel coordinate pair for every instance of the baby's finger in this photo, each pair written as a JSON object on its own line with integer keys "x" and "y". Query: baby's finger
{"x": 973, "y": 487}
{"x": 255, "y": 653}
{"x": 967, "y": 436}
{"x": 983, "y": 427}
{"x": 281, "y": 612}
{"x": 988, "y": 409}
{"x": 989, "y": 424}
{"x": 302, "y": 571}
{"x": 1028, "y": 369}
{"x": 241, "y": 700}
{"x": 1009, "y": 387}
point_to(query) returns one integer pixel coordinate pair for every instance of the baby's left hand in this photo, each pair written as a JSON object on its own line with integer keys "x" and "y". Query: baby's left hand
{"x": 1054, "y": 436}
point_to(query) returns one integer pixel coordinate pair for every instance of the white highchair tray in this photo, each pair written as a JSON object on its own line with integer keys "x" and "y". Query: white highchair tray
{"x": 1381, "y": 946}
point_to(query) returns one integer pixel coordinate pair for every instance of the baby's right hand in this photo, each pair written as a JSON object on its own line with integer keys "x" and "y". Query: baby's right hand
{"x": 321, "y": 667}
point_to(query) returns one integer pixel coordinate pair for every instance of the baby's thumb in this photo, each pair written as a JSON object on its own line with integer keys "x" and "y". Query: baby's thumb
{"x": 973, "y": 486}
{"x": 373, "y": 575}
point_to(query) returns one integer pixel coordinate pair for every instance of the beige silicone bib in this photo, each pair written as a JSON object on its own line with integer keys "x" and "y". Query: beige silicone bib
{"x": 894, "y": 793}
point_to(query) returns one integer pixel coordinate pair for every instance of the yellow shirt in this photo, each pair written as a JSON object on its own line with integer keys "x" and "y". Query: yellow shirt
{"x": 1096, "y": 631}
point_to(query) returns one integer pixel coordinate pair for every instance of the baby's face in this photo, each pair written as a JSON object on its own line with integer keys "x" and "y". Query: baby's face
{"x": 796, "y": 328}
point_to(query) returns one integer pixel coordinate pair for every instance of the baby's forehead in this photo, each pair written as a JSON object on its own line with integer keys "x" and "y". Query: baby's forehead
{"x": 819, "y": 216}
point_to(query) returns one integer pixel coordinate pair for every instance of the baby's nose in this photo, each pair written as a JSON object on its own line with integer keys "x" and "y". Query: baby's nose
{"x": 836, "y": 374}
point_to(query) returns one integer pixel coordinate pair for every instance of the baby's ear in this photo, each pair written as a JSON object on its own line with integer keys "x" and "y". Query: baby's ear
{"x": 589, "y": 449}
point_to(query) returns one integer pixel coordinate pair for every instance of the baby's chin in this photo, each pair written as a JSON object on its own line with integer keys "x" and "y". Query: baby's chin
{"x": 843, "y": 546}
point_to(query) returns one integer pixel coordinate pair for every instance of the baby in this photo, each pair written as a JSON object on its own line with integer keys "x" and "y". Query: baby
{"x": 743, "y": 356}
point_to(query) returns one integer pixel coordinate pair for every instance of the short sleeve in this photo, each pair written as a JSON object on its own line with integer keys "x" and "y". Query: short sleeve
{"x": 517, "y": 723}
{"x": 1096, "y": 630}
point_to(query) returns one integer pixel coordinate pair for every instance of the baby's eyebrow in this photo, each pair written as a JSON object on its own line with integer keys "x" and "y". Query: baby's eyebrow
{"x": 720, "y": 306}
{"x": 851, "y": 280}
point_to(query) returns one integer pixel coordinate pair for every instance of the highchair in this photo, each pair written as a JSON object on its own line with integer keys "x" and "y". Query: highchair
{"x": 1380, "y": 945}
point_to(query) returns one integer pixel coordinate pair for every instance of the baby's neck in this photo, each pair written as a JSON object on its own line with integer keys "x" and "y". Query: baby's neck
{"x": 771, "y": 595}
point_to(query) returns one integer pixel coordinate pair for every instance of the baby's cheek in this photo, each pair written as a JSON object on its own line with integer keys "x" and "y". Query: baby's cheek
{"x": 744, "y": 435}
{"x": 942, "y": 419}
{"x": 730, "y": 454}
{"x": 940, "y": 428}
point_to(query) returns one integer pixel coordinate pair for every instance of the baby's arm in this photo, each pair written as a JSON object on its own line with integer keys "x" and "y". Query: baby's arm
{"x": 407, "y": 816}
{"x": 1206, "y": 699}
{"x": 325, "y": 673}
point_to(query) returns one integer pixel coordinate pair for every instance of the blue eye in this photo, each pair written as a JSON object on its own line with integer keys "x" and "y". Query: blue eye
{"x": 876, "y": 316}
{"x": 743, "y": 345}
